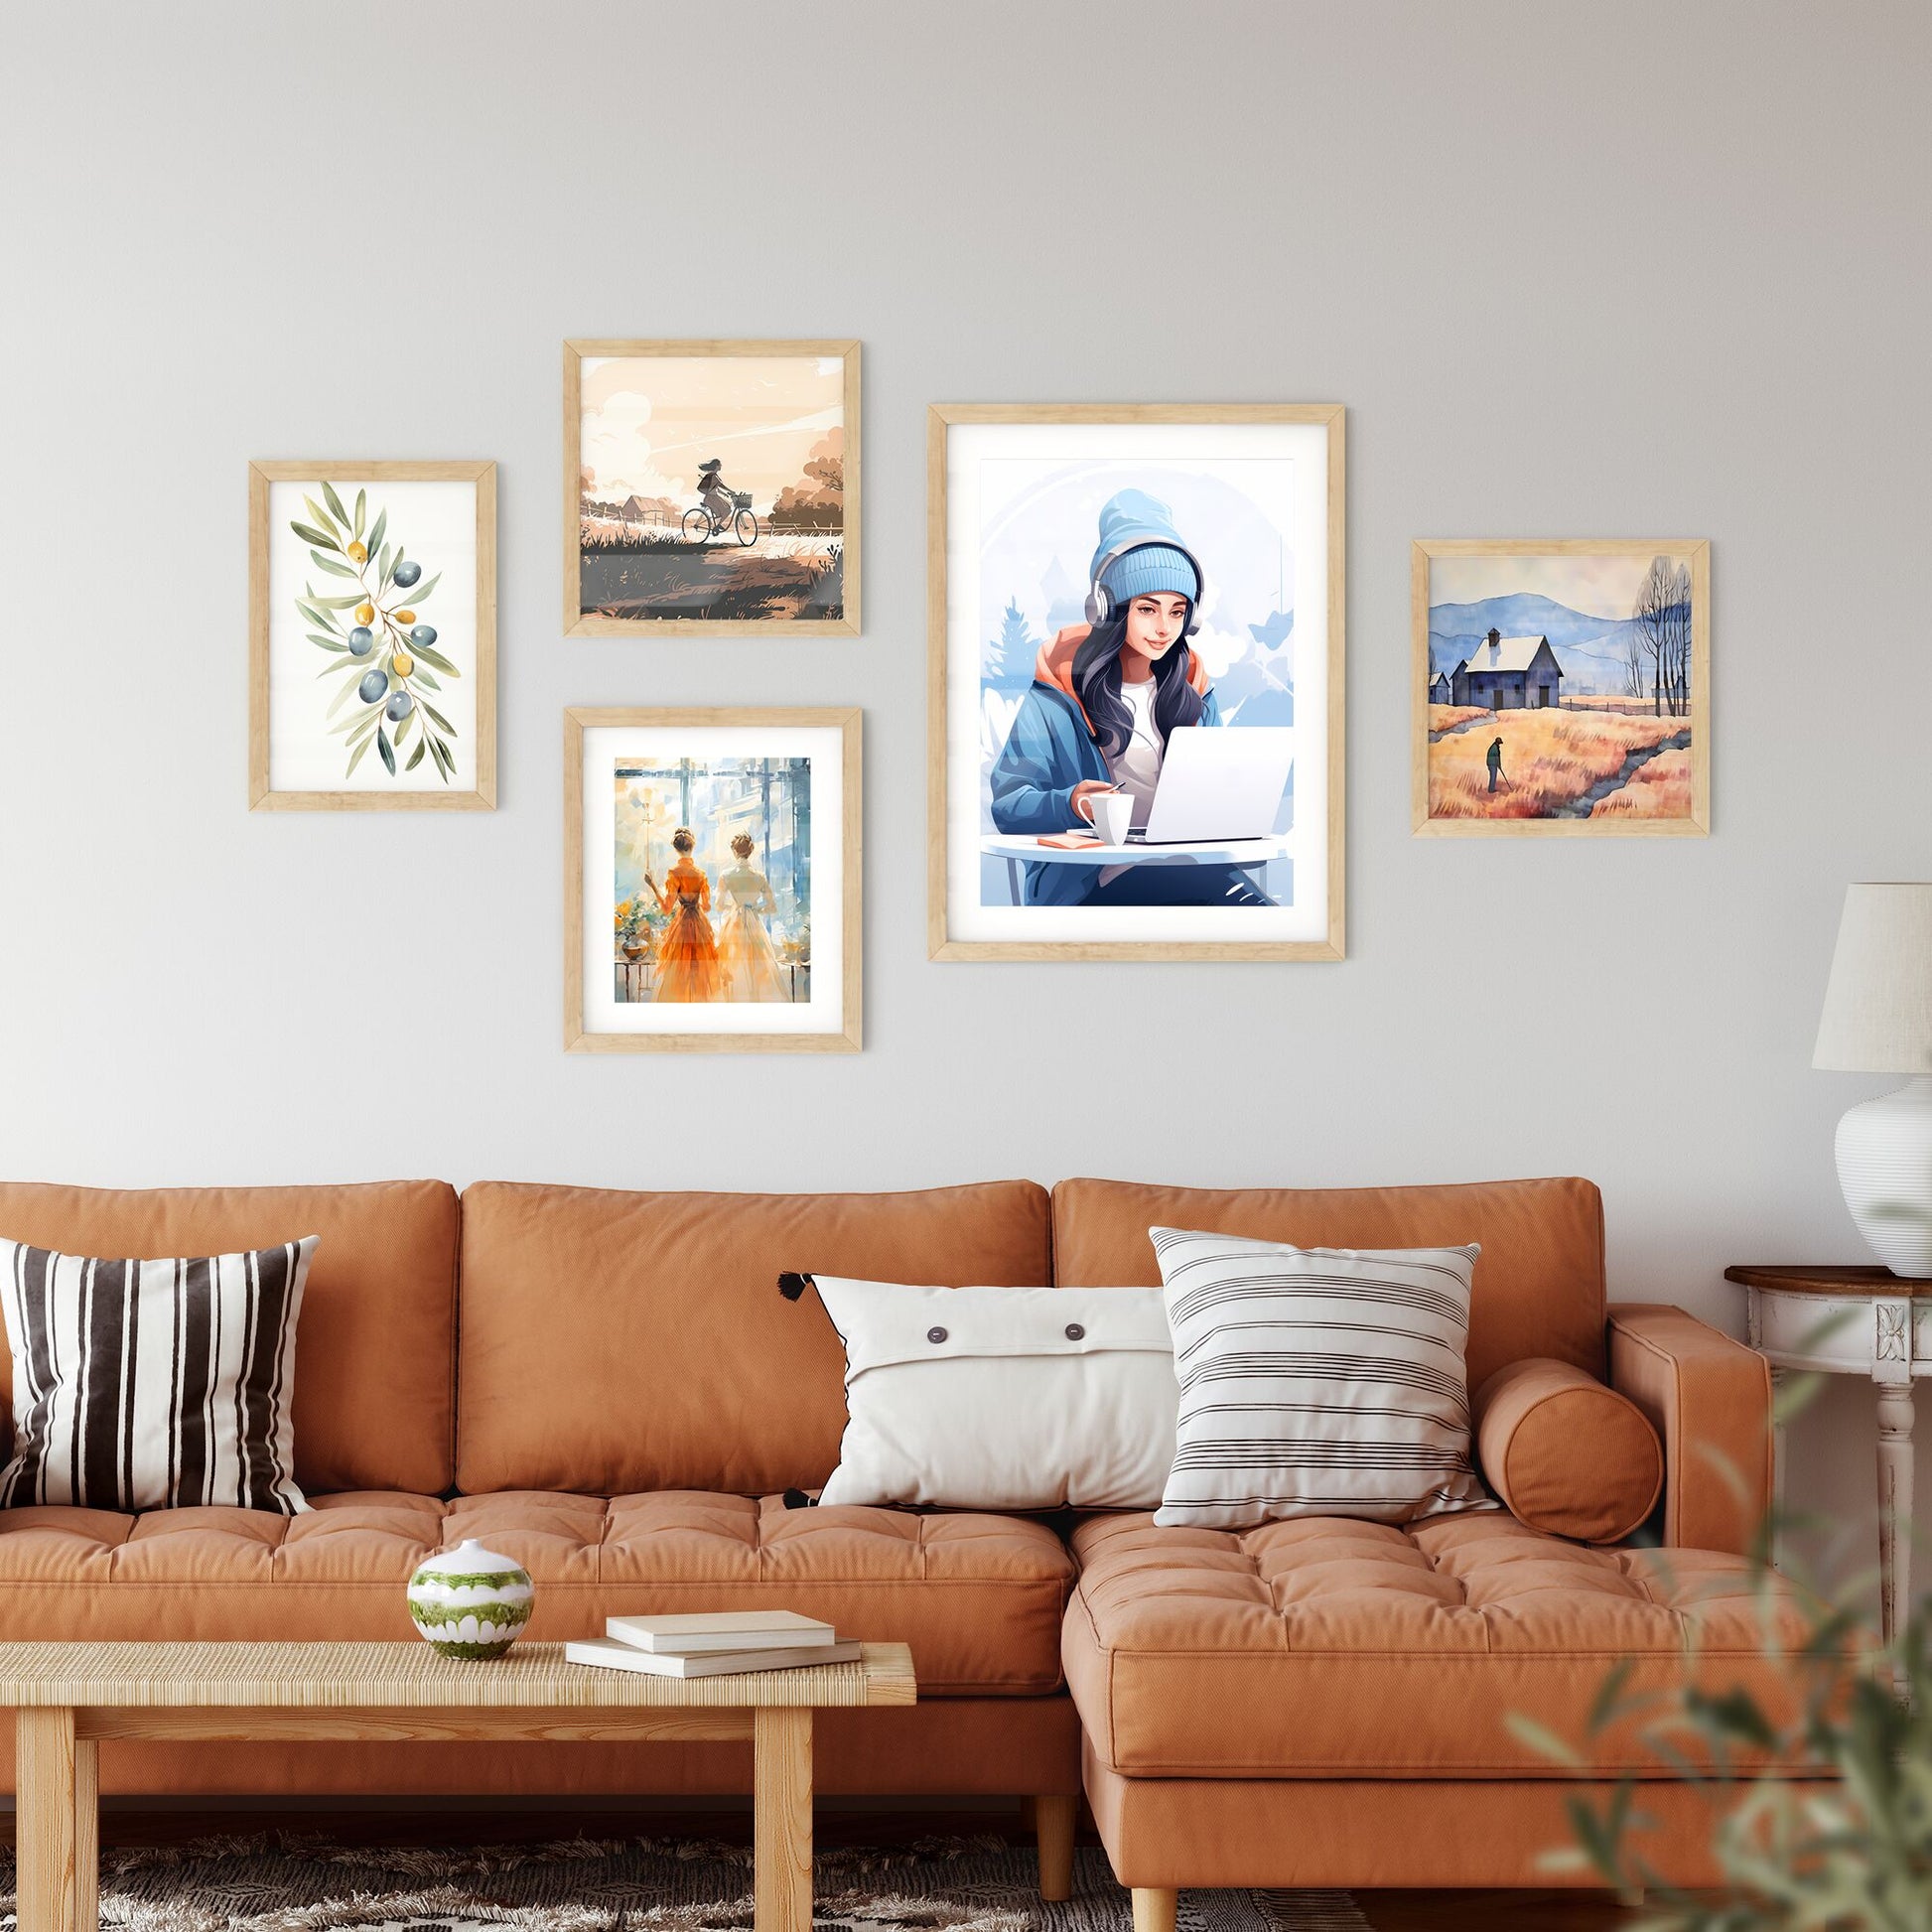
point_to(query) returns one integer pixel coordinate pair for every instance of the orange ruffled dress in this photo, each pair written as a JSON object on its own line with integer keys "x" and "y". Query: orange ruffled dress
{"x": 687, "y": 953}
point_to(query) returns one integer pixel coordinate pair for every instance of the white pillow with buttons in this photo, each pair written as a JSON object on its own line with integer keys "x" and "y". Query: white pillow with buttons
{"x": 1002, "y": 1397}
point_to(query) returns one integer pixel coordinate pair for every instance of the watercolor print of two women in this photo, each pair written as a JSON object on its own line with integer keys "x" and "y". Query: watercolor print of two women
{"x": 1106, "y": 694}
{"x": 738, "y": 961}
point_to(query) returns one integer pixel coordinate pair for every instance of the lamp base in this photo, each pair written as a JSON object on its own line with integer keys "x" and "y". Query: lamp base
{"x": 1884, "y": 1166}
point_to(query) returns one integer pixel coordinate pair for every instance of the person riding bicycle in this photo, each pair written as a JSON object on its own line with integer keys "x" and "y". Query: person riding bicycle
{"x": 715, "y": 494}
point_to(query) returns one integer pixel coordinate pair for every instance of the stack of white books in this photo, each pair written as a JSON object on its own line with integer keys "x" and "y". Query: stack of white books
{"x": 711, "y": 1644}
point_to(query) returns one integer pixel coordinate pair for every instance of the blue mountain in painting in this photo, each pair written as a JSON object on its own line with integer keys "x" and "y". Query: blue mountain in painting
{"x": 1271, "y": 633}
{"x": 1590, "y": 649}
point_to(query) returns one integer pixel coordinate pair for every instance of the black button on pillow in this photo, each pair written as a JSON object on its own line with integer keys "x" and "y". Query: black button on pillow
{"x": 1074, "y": 1332}
{"x": 935, "y": 1335}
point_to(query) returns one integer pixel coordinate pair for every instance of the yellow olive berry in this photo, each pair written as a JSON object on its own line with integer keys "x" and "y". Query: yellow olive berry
{"x": 358, "y": 553}
{"x": 404, "y": 617}
{"x": 365, "y": 613}
{"x": 401, "y": 663}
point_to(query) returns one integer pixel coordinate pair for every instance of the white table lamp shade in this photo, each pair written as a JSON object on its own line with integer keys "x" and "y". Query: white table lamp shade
{"x": 1877, "y": 1015}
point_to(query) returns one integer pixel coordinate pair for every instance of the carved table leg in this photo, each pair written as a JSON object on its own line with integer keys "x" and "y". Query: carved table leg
{"x": 1894, "y": 1511}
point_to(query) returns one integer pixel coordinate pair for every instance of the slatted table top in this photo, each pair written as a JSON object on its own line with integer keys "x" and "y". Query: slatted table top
{"x": 411, "y": 1676}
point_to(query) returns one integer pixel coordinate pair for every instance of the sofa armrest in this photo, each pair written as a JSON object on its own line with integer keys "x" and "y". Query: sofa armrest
{"x": 1709, "y": 1400}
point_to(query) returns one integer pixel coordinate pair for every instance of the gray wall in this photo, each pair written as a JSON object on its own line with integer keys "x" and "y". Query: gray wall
{"x": 1636, "y": 269}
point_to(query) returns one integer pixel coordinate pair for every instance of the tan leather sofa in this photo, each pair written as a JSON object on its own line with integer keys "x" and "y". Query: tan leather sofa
{"x": 607, "y": 1387}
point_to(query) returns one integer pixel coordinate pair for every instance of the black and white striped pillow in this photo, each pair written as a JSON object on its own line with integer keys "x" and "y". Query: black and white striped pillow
{"x": 153, "y": 1384}
{"x": 1316, "y": 1381}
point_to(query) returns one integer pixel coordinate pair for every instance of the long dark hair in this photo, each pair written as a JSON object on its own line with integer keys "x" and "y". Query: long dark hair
{"x": 1096, "y": 683}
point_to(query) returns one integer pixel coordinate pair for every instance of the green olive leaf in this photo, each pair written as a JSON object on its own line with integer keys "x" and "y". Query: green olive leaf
{"x": 387, "y": 750}
{"x": 334, "y": 569}
{"x": 335, "y": 502}
{"x": 320, "y": 516}
{"x": 423, "y": 678}
{"x": 338, "y": 603}
{"x": 327, "y": 643}
{"x": 440, "y": 719}
{"x": 340, "y": 698}
{"x": 361, "y": 753}
{"x": 416, "y": 757}
{"x": 431, "y": 655}
{"x": 362, "y": 504}
{"x": 377, "y": 535}
{"x": 310, "y": 534}
{"x": 420, "y": 591}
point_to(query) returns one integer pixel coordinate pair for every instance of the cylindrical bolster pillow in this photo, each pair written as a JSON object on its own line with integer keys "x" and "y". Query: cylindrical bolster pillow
{"x": 1564, "y": 1454}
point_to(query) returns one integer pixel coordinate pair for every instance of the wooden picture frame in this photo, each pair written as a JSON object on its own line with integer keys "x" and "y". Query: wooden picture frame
{"x": 581, "y": 621}
{"x": 1669, "y": 798}
{"x": 263, "y": 594}
{"x": 1326, "y": 543}
{"x": 842, "y": 1031}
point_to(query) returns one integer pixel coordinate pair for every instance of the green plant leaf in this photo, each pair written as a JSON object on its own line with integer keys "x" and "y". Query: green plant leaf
{"x": 389, "y": 569}
{"x": 327, "y": 643}
{"x": 340, "y": 698}
{"x": 387, "y": 750}
{"x": 338, "y": 603}
{"x": 335, "y": 502}
{"x": 313, "y": 612}
{"x": 320, "y": 517}
{"x": 333, "y": 567}
{"x": 356, "y": 756}
{"x": 376, "y": 534}
{"x": 362, "y": 504}
{"x": 310, "y": 534}
{"x": 418, "y": 592}
{"x": 416, "y": 757}
{"x": 439, "y": 718}
{"x": 403, "y": 730}
{"x": 431, "y": 655}
{"x": 422, "y": 677}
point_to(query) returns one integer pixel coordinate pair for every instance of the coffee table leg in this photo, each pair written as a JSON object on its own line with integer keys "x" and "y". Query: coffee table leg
{"x": 43, "y": 1823}
{"x": 87, "y": 1835}
{"x": 781, "y": 1780}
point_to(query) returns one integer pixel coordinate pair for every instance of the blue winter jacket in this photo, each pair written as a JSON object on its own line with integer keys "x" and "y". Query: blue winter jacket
{"x": 1047, "y": 752}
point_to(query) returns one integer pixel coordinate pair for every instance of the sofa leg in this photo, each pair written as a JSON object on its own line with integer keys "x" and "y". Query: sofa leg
{"x": 1154, "y": 1907}
{"x": 1053, "y": 1832}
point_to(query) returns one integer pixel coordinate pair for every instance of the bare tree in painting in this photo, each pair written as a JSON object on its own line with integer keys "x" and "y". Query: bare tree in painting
{"x": 1661, "y": 633}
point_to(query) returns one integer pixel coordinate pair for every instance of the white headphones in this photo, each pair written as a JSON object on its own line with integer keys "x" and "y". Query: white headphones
{"x": 1100, "y": 601}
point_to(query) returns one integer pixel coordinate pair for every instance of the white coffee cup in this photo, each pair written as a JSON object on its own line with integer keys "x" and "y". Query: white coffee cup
{"x": 1113, "y": 815}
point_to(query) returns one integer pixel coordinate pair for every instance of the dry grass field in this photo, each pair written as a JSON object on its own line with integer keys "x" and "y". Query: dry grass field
{"x": 1445, "y": 717}
{"x": 1659, "y": 789}
{"x": 1553, "y": 763}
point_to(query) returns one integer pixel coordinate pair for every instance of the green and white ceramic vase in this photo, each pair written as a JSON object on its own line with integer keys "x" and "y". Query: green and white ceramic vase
{"x": 469, "y": 1602}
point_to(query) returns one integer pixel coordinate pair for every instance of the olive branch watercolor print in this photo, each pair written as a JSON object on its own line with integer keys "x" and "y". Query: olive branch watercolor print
{"x": 389, "y": 658}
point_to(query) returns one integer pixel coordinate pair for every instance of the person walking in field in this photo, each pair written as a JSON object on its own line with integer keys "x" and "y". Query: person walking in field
{"x": 1497, "y": 763}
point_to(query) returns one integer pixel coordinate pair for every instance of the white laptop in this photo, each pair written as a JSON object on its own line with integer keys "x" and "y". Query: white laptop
{"x": 1219, "y": 782}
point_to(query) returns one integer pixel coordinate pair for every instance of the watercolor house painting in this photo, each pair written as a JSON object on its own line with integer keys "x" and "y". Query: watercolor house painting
{"x": 1561, "y": 686}
{"x": 1507, "y": 674}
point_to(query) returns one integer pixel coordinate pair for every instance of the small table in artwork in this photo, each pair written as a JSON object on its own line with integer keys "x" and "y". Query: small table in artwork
{"x": 68, "y": 1697}
{"x": 1252, "y": 856}
{"x": 1853, "y": 1322}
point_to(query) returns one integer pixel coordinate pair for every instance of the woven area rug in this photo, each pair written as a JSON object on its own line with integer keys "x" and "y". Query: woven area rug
{"x": 282, "y": 1883}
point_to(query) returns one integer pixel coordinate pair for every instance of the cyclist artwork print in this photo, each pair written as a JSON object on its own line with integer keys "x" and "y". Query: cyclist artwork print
{"x": 714, "y": 487}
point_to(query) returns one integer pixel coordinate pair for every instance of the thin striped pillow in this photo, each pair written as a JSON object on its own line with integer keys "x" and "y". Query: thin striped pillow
{"x": 153, "y": 1384}
{"x": 1316, "y": 1381}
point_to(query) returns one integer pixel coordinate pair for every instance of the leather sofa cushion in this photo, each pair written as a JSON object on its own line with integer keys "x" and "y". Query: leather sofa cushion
{"x": 374, "y": 1383}
{"x": 1330, "y": 1648}
{"x": 617, "y": 1343}
{"x": 1564, "y": 1454}
{"x": 978, "y": 1598}
{"x": 1539, "y": 1286}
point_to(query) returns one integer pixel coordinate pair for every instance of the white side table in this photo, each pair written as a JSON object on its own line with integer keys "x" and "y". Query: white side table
{"x": 1853, "y": 1322}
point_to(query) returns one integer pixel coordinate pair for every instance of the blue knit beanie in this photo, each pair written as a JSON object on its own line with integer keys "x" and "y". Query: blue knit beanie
{"x": 1156, "y": 561}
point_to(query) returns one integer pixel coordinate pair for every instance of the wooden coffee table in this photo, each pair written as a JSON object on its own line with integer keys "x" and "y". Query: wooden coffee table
{"x": 68, "y": 1697}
